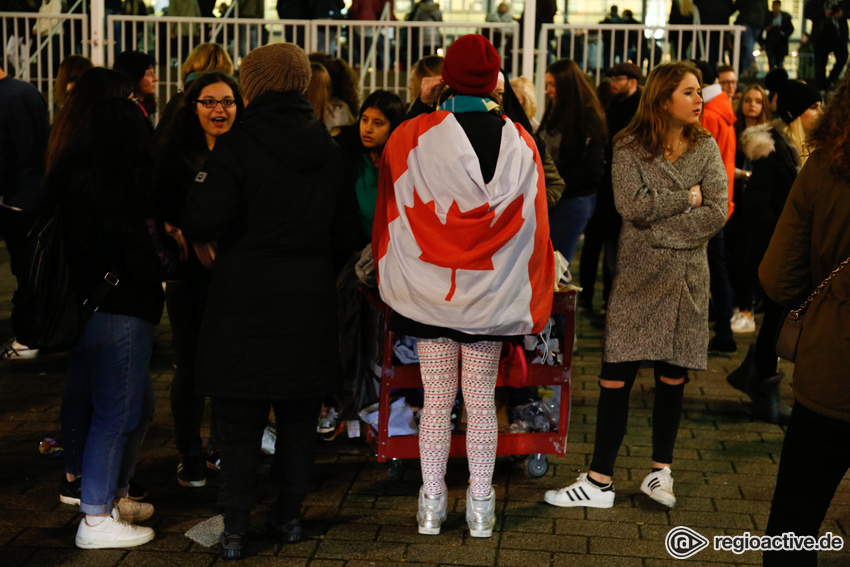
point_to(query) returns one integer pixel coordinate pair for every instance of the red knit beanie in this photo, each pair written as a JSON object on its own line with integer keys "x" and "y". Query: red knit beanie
{"x": 471, "y": 66}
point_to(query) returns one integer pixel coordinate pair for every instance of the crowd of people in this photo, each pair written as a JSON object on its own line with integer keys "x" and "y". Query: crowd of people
{"x": 254, "y": 196}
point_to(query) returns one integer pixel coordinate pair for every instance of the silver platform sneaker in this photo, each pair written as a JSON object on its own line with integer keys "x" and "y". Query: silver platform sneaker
{"x": 480, "y": 513}
{"x": 432, "y": 512}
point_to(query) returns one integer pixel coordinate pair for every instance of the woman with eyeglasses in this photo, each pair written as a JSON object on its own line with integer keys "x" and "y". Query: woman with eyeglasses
{"x": 210, "y": 107}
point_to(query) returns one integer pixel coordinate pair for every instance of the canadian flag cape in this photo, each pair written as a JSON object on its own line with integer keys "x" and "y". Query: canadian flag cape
{"x": 453, "y": 251}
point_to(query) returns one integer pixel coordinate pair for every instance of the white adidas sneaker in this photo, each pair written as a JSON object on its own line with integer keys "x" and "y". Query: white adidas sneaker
{"x": 581, "y": 493}
{"x": 112, "y": 532}
{"x": 659, "y": 486}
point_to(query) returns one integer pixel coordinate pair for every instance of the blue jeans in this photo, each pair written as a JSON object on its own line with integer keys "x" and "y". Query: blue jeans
{"x": 107, "y": 406}
{"x": 567, "y": 220}
{"x": 748, "y": 43}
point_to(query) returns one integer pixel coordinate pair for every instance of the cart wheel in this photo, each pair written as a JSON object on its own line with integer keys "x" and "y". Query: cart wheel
{"x": 395, "y": 468}
{"x": 536, "y": 465}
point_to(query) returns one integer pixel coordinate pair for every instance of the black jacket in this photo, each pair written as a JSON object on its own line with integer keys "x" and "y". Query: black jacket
{"x": 776, "y": 38}
{"x": 714, "y": 12}
{"x": 271, "y": 195}
{"x": 828, "y": 30}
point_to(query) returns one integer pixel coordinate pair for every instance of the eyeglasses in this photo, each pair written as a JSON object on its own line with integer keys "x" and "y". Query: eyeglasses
{"x": 212, "y": 103}
{"x": 728, "y": 82}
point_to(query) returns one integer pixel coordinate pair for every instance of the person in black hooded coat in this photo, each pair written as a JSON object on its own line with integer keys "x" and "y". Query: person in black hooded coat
{"x": 271, "y": 195}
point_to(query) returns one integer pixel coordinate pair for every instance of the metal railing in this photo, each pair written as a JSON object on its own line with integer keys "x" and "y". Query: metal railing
{"x": 398, "y": 45}
{"x": 598, "y": 47}
{"x": 170, "y": 40}
{"x": 30, "y": 55}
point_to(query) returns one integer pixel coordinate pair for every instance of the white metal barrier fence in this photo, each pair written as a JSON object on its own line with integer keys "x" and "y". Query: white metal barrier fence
{"x": 596, "y": 48}
{"x": 170, "y": 40}
{"x": 383, "y": 52}
{"x": 33, "y": 45}
{"x": 398, "y": 45}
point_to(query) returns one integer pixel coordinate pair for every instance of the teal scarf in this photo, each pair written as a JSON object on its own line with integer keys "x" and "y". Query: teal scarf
{"x": 464, "y": 103}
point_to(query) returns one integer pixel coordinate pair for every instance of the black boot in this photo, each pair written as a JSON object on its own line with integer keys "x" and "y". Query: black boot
{"x": 767, "y": 401}
{"x": 744, "y": 378}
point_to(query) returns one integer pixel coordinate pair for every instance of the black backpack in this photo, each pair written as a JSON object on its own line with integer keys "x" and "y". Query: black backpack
{"x": 46, "y": 314}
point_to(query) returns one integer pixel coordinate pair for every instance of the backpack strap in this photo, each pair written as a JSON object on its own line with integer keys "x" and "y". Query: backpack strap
{"x": 93, "y": 302}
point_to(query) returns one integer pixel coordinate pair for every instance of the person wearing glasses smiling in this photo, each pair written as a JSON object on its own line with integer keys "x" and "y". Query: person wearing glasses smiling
{"x": 210, "y": 107}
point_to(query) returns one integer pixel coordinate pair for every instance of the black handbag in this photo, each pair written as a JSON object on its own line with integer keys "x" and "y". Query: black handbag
{"x": 789, "y": 333}
{"x": 46, "y": 312}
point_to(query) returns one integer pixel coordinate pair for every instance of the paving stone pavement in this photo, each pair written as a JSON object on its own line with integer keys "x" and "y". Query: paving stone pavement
{"x": 357, "y": 515}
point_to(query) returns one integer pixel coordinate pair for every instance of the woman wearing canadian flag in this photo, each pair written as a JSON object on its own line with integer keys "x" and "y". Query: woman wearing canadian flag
{"x": 463, "y": 257}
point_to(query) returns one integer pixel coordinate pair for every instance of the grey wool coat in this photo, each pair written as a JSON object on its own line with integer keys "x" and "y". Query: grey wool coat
{"x": 658, "y": 309}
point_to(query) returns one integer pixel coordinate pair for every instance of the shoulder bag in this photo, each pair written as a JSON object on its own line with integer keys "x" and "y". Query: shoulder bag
{"x": 792, "y": 326}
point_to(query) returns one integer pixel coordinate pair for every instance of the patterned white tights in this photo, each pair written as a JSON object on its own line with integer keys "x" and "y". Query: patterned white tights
{"x": 438, "y": 364}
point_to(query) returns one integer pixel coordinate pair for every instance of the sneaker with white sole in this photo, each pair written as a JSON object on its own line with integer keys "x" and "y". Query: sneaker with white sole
{"x": 70, "y": 490}
{"x": 581, "y": 493}
{"x": 14, "y": 349}
{"x": 191, "y": 471}
{"x": 432, "y": 512}
{"x": 133, "y": 511}
{"x": 111, "y": 532}
{"x": 327, "y": 420}
{"x": 742, "y": 323}
{"x": 480, "y": 513}
{"x": 658, "y": 485}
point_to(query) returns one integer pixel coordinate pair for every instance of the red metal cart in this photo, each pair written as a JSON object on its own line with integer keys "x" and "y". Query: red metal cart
{"x": 536, "y": 445}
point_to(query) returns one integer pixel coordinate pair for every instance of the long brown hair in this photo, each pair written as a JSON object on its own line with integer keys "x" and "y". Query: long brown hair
{"x": 70, "y": 70}
{"x": 576, "y": 106}
{"x": 650, "y": 124}
{"x": 831, "y": 133}
{"x": 319, "y": 91}
{"x": 94, "y": 86}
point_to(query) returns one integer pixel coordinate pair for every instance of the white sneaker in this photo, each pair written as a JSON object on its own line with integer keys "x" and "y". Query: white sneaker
{"x": 659, "y": 486}
{"x": 480, "y": 513}
{"x": 742, "y": 323}
{"x": 14, "y": 349}
{"x": 111, "y": 532}
{"x": 432, "y": 512}
{"x": 581, "y": 493}
{"x": 133, "y": 511}
{"x": 327, "y": 420}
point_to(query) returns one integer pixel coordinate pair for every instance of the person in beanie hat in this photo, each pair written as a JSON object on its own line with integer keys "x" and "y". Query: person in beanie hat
{"x": 277, "y": 68}
{"x": 773, "y": 81}
{"x": 777, "y": 151}
{"x": 795, "y": 98}
{"x": 471, "y": 66}
{"x": 271, "y": 197}
{"x": 449, "y": 281}
{"x": 140, "y": 68}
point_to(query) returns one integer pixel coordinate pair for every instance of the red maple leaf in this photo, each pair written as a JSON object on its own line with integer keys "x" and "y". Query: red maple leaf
{"x": 468, "y": 240}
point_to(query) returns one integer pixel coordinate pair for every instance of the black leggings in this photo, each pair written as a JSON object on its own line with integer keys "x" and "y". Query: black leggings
{"x": 612, "y": 413}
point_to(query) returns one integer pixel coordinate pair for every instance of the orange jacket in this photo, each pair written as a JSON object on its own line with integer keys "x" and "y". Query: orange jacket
{"x": 718, "y": 117}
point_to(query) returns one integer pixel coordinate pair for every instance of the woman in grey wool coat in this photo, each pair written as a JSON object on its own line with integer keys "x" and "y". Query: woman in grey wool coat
{"x": 670, "y": 187}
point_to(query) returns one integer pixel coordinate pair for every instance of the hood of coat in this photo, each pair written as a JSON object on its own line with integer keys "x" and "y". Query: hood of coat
{"x": 757, "y": 142}
{"x": 298, "y": 139}
{"x": 721, "y": 106}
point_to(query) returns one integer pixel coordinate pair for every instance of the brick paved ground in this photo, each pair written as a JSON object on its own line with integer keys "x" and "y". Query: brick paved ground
{"x": 358, "y": 516}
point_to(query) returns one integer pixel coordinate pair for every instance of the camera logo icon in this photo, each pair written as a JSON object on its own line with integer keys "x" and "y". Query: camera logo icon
{"x": 682, "y": 542}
